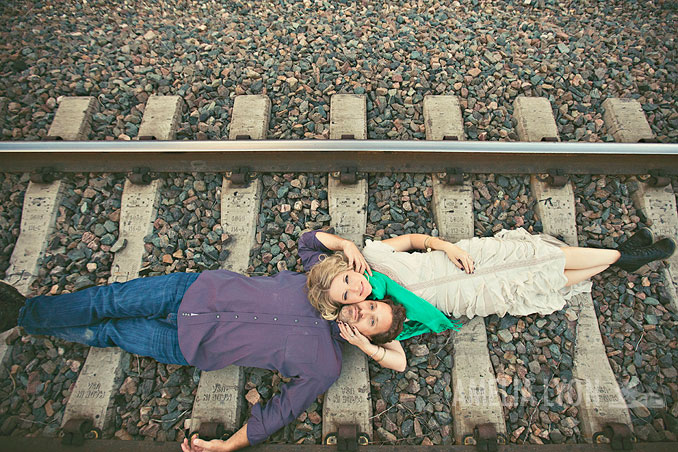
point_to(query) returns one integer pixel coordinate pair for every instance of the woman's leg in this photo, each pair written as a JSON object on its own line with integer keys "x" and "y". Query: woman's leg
{"x": 577, "y": 258}
{"x": 152, "y": 297}
{"x": 576, "y": 276}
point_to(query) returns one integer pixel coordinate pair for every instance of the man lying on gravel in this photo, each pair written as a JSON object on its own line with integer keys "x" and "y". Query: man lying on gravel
{"x": 211, "y": 320}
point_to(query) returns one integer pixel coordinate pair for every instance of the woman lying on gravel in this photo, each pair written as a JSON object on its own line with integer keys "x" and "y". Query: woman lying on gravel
{"x": 513, "y": 272}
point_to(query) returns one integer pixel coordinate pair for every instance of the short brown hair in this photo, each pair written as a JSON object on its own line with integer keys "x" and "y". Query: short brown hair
{"x": 399, "y": 316}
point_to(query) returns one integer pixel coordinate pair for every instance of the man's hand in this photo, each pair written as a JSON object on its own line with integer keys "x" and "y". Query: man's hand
{"x": 199, "y": 445}
{"x": 355, "y": 258}
{"x": 237, "y": 441}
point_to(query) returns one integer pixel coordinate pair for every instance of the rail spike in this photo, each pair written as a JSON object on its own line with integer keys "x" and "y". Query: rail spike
{"x": 619, "y": 436}
{"x": 348, "y": 175}
{"x": 347, "y": 438}
{"x": 241, "y": 176}
{"x": 44, "y": 175}
{"x": 554, "y": 177}
{"x": 76, "y": 431}
{"x": 141, "y": 176}
{"x": 452, "y": 176}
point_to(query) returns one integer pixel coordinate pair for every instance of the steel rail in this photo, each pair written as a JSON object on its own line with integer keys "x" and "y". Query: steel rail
{"x": 333, "y": 155}
{"x": 16, "y": 444}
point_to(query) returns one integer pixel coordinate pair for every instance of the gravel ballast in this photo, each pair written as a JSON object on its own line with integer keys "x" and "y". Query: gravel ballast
{"x": 299, "y": 53}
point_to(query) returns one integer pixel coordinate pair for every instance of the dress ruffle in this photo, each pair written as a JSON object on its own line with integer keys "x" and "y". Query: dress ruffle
{"x": 515, "y": 273}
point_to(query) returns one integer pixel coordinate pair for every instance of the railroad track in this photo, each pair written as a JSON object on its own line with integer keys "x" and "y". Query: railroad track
{"x": 263, "y": 194}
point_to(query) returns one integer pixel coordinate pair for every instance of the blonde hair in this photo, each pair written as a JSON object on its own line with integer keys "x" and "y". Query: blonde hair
{"x": 318, "y": 283}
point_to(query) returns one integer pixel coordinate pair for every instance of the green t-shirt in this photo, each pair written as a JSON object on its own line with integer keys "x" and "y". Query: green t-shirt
{"x": 422, "y": 316}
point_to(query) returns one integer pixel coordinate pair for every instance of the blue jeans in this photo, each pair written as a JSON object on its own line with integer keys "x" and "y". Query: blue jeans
{"x": 139, "y": 316}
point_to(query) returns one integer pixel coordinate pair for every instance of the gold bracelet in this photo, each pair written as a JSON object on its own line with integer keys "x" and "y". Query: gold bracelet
{"x": 382, "y": 356}
{"x": 426, "y": 247}
{"x": 375, "y": 352}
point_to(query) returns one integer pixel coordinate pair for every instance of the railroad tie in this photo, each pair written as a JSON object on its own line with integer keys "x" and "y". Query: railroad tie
{"x": 348, "y": 113}
{"x": 72, "y": 120}
{"x": 534, "y": 119}
{"x": 442, "y": 118}
{"x": 250, "y": 117}
{"x": 240, "y": 199}
{"x": 658, "y": 204}
{"x": 42, "y": 200}
{"x": 348, "y": 207}
{"x": 625, "y": 120}
{"x": 101, "y": 373}
{"x": 452, "y": 195}
{"x": 600, "y": 397}
{"x": 219, "y": 396}
{"x": 347, "y": 401}
{"x": 627, "y": 123}
{"x": 161, "y": 118}
{"x": 38, "y": 217}
{"x": 476, "y": 398}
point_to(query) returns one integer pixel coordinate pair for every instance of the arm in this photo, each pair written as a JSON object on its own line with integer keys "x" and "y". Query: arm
{"x": 390, "y": 355}
{"x": 355, "y": 257}
{"x": 237, "y": 441}
{"x": 295, "y": 396}
{"x": 407, "y": 242}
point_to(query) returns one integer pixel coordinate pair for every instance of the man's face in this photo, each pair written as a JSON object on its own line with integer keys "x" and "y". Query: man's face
{"x": 370, "y": 317}
{"x": 349, "y": 287}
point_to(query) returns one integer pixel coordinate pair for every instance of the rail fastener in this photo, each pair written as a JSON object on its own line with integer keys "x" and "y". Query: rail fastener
{"x": 485, "y": 438}
{"x": 657, "y": 178}
{"x": 619, "y": 435}
{"x": 76, "y": 431}
{"x": 140, "y": 176}
{"x": 554, "y": 177}
{"x": 209, "y": 431}
{"x": 348, "y": 175}
{"x": 452, "y": 176}
{"x": 44, "y": 175}
{"x": 347, "y": 438}
{"x": 241, "y": 176}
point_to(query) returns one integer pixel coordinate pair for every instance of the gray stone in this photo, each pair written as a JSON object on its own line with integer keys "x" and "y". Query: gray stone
{"x": 505, "y": 335}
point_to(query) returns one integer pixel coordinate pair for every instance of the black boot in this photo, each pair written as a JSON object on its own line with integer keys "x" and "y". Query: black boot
{"x": 11, "y": 301}
{"x": 635, "y": 258}
{"x": 640, "y": 239}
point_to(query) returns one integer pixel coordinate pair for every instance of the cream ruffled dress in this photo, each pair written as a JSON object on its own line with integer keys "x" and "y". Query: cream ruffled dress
{"x": 515, "y": 273}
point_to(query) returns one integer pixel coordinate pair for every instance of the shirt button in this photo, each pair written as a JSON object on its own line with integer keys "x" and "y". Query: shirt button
{"x": 275, "y": 318}
{"x": 236, "y": 316}
{"x": 255, "y": 317}
{"x": 316, "y": 322}
{"x": 217, "y": 315}
{"x": 296, "y": 320}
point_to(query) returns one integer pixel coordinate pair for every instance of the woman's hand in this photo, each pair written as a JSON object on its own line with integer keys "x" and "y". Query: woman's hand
{"x": 459, "y": 257}
{"x": 355, "y": 258}
{"x": 353, "y": 336}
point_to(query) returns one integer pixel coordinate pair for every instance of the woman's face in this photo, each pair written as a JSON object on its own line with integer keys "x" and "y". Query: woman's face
{"x": 349, "y": 287}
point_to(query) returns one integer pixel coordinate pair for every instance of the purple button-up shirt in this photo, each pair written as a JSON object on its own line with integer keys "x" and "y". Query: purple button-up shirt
{"x": 267, "y": 322}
